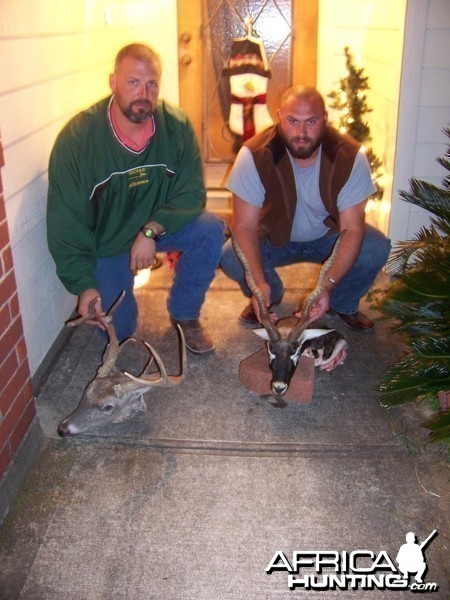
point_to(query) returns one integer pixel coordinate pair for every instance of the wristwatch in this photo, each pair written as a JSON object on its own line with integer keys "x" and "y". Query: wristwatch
{"x": 149, "y": 233}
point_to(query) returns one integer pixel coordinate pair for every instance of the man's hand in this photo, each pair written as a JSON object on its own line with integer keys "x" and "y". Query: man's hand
{"x": 142, "y": 254}
{"x": 319, "y": 308}
{"x": 335, "y": 361}
{"x": 85, "y": 299}
{"x": 265, "y": 289}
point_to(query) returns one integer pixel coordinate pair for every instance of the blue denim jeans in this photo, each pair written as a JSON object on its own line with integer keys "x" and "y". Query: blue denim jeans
{"x": 345, "y": 298}
{"x": 200, "y": 243}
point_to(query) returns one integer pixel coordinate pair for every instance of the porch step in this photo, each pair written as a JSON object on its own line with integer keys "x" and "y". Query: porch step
{"x": 218, "y": 201}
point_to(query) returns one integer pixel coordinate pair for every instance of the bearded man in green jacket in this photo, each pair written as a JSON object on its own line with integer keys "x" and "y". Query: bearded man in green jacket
{"x": 126, "y": 181}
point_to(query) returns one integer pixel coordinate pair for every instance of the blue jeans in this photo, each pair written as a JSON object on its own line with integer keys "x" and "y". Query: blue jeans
{"x": 345, "y": 298}
{"x": 200, "y": 243}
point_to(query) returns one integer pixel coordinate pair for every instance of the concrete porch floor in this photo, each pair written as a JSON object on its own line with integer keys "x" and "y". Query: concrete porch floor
{"x": 192, "y": 499}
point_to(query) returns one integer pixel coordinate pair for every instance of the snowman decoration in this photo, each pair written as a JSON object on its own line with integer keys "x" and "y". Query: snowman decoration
{"x": 249, "y": 75}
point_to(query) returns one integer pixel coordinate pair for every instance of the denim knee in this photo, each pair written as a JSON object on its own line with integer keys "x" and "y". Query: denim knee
{"x": 375, "y": 249}
{"x": 232, "y": 267}
{"x": 200, "y": 243}
{"x": 114, "y": 276}
{"x": 213, "y": 231}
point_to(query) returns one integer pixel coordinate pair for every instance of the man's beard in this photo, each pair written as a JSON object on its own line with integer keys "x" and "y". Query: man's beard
{"x": 140, "y": 114}
{"x": 304, "y": 151}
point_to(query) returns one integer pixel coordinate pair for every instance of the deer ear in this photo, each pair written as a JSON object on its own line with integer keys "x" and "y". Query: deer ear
{"x": 261, "y": 332}
{"x": 140, "y": 405}
{"x": 120, "y": 389}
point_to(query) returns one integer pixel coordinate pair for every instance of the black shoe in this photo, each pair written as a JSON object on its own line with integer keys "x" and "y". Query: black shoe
{"x": 356, "y": 321}
{"x": 248, "y": 317}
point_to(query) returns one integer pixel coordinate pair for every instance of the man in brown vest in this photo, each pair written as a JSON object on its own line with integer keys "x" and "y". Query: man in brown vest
{"x": 295, "y": 186}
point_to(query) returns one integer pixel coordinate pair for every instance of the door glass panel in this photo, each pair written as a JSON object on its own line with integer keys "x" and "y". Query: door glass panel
{"x": 224, "y": 20}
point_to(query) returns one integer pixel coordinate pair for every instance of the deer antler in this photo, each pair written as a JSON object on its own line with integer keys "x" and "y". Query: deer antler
{"x": 162, "y": 378}
{"x": 305, "y": 319}
{"x": 265, "y": 320}
{"x": 111, "y": 352}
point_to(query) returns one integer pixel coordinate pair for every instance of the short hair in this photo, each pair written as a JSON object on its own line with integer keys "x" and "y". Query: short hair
{"x": 139, "y": 52}
{"x": 301, "y": 91}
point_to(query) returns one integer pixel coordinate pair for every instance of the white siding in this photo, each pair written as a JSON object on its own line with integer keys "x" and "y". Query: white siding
{"x": 55, "y": 59}
{"x": 424, "y": 108}
{"x": 404, "y": 47}
{"x": 373, "y": 31}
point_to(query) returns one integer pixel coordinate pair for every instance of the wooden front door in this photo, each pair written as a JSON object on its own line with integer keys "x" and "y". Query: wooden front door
{"x": 206, "y": 28}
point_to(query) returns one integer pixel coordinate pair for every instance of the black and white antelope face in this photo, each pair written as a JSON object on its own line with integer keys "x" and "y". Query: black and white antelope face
{"x": 323, "y": 345}
{"x": 288, "y": 338}
{"x": 283, "y": 359}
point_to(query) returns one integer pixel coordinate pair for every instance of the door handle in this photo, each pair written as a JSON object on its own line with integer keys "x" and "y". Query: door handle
{"x": 186, "y": 59}
{"x": 185, "y": 37}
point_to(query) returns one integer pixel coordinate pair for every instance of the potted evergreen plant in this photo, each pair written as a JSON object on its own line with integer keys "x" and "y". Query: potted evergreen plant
{"x": 419, "y": 302}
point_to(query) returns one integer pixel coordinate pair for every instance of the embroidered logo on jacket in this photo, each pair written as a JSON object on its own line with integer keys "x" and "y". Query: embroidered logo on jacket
{"x": 137, "y": 177}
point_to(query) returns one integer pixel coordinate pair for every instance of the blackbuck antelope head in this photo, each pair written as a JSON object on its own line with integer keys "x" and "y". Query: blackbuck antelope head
{"x": 114, "y": 396}
{"x": 289, "y": 338}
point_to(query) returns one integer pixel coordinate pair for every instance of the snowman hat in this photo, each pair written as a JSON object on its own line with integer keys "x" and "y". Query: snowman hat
{"x": 247, "y": 56}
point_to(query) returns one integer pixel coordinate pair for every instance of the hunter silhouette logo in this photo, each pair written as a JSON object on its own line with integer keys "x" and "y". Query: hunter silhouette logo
{"x": 410, "y": 557}
{"x": 357, "y": 570}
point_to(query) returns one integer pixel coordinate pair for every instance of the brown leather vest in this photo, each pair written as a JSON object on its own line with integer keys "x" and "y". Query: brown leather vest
{"x": 277, "y": 176}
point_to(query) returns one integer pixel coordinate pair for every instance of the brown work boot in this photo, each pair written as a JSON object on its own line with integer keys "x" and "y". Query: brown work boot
{"x": 356, "y": 321}
{"x": 196, "y": 336}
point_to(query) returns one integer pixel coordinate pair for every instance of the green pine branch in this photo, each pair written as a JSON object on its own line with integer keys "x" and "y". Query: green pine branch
{"x": 418, "y": 301}
{"x": 439, "y": 425}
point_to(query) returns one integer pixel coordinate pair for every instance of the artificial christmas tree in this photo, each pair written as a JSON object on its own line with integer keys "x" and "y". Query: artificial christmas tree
{"x": 351, "y": 100}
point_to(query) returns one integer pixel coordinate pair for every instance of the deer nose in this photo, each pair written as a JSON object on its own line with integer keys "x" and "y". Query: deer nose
{"x": 63, "y": 429}
{"x": 279, "y": 387}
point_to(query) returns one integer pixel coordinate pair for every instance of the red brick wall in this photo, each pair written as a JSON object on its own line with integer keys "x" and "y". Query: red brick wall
{"x": 17, "y": 407}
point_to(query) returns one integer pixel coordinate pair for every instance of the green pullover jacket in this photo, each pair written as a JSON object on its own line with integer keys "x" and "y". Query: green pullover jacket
{"x": 101, "y": 193}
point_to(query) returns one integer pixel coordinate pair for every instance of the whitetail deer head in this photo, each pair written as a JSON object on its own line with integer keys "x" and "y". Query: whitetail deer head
{"x": 114, "y": 396}
{"x": 289, "y": 338}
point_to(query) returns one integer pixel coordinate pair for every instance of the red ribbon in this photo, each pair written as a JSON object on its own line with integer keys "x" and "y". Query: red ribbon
{"x": 248, "y": 103}
{"x": 261, "y": 99}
